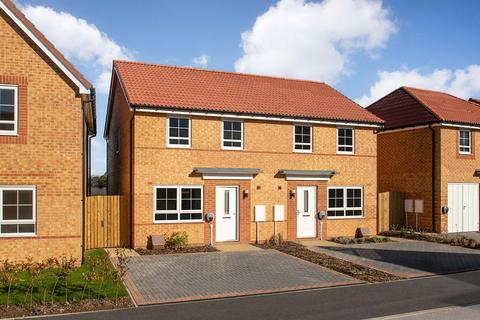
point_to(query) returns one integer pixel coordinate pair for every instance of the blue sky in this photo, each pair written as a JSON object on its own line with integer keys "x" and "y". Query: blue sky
{"x": 364, "y": 48}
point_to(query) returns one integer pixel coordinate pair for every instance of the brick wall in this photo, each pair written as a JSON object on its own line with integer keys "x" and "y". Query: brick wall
{"x": 454, "y": 168}
{"x": 47, "y": 153}
{"x": 267, "y": 146}
{"x": 405, "y": 165}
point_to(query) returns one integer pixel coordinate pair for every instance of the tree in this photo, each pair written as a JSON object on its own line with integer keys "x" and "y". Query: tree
{"x": 99, "y": 182}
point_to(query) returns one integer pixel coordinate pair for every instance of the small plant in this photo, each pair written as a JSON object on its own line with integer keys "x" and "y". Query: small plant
{"x": 9, "y": 276}
{"x": 121, "y": 270}
{"x": 177, "y": 240}
{"x": 275, "y": 240}
{"x": 65, "y": 266}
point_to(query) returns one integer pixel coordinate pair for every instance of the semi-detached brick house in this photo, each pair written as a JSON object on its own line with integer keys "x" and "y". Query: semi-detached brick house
{"x": 428, "y": 150}
{"x": 47, "y": 116}
{"x": 186, "y": 142}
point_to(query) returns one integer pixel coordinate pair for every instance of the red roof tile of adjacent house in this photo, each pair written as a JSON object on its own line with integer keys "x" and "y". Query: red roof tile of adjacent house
{"x": 477, "y": 101}
{"x": 47, "y": 43}
{"x": 408, "y": 106}
{"x": 155, "y": 85}
{"x": 447, "y": 107}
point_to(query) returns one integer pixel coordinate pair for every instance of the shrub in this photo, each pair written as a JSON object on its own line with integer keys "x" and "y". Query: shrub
{"x": 276, "y": 240}
{"x": 177, "y": 240}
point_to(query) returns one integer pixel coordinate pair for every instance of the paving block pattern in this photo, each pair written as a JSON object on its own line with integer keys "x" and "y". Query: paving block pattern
{"x": 408, "y": 258}
{"x": 186, "y": 277}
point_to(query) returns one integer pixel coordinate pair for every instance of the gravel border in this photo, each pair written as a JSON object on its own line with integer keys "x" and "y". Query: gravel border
{"x": 193, "y": 249}
{"x": 38, "y": 309}
{"x": 351, "y": 269}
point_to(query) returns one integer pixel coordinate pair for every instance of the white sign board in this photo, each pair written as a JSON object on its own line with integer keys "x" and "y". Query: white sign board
{"x": 408, "y": 205}
{"x": 419, "y": 206}
{"x": 259, "y": 213}
{"x": 278, "y": 212}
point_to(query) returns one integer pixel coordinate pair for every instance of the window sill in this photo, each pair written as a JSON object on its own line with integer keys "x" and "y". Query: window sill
{"x": 9, "y": 134}
{"x": 18, "y": 235}
{"x": 345, "y": 218}
{"x": 178, "y": 221}
{"x": 343, "y": 153}
{"x": 174, "y": 146}
{"x": 232, "y": 149}
{"x": 302, "y": 151}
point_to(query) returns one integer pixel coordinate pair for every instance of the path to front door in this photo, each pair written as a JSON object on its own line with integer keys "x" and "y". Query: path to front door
{"x": 306, "y": 209}
{"x": 227, "y": 212}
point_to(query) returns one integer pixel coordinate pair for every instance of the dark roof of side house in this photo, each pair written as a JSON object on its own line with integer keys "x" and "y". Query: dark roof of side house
{"x": 408, "y": 106}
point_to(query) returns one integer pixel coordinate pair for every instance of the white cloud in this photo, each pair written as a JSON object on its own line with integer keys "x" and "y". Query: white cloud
{"x": 78, "y": 40}
{"x": 98, "y": 163}
{"x": 463, "y": 83}
{"x": 308, "y": 40}
{"x": 202, "y": 60}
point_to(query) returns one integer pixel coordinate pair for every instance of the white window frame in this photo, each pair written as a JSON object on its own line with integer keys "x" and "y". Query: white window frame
{"x": 15, "y": 119}
{"x": 233, "y": 140}
{"x": 346, "y": 145}
{"x": 179, "y": 210}
{"x": 311, "y": 138}
{"x": 182, "y": 146}
{"x": 345, "y": 208}
{"x": 34, "y": 212}
{"x": 469, "y": 141}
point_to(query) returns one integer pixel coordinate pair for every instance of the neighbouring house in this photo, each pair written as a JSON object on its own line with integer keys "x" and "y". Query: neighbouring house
{"x": 47, "y": 116}
{"x": 428, "y": 150}
{"x": 185, "y": 142}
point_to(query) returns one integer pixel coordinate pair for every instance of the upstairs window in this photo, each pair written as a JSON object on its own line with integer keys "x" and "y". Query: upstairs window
{"x": 17, "y": 211}
{"x": 178, "y": 203}
{"x": 345, "y": 141}
{"x": 232, "y": 135}
{"x": 178, "y": 134}
{"x": 302, "y": 138}
{"x": 8, "y": 109}
{"x": 465, "y": 141}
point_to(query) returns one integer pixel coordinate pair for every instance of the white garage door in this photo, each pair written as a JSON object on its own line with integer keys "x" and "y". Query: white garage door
{"x": 463, "y": 215}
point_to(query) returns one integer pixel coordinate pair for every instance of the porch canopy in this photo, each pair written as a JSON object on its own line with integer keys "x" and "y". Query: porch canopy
{"x": 227, "y": 173}
{"x": 314, "y": 175}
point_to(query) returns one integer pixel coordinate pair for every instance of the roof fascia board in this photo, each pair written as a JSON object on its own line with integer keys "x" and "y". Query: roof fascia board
{"x": 440, "y": 124}
{"x": 119, "y": 82}
{"x": 256, "y": 117}
{"x": 82, "y": 89}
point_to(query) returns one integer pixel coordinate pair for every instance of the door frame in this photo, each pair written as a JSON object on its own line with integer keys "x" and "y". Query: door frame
{"x": 315, "y": 197}
{"x": 237, "y": 218}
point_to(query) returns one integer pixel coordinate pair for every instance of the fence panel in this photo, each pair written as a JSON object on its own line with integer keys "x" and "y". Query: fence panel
{"x": 107, "y": 222}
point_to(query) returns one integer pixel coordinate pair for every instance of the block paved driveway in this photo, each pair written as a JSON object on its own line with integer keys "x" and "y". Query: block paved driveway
{"x": 196, "y": 276}
{"x": 408, "y": 258}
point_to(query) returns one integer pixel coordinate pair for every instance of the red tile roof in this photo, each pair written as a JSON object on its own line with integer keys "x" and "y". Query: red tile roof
{"x": 155, "y": 85}
{"x": 477, "y": 101}
{"x": 447, "y": 107}
{"x": 47, "y": 43}
{"x": 406, "y": 107}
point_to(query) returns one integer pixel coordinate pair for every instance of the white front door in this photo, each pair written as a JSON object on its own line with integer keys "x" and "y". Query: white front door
{"x": 306, "y": 211}
{"x": 463, "y": 214}
{"x": 226, "y": 214}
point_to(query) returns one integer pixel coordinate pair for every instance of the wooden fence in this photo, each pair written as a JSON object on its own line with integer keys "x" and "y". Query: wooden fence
{"x": 390, "y": 210}
{"x": 107, "y": 222}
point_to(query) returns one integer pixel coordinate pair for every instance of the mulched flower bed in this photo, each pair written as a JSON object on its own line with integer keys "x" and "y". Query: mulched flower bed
{"x": 193, "y": 249}
{"x": 345, "y": 240}
{"x": 37, "y": 309}
{"x": 351, "y": 269}
{"x": 460, "y": 241}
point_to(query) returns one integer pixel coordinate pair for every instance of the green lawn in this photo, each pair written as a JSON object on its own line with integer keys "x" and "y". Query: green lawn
{"x": 97, "y": 268}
